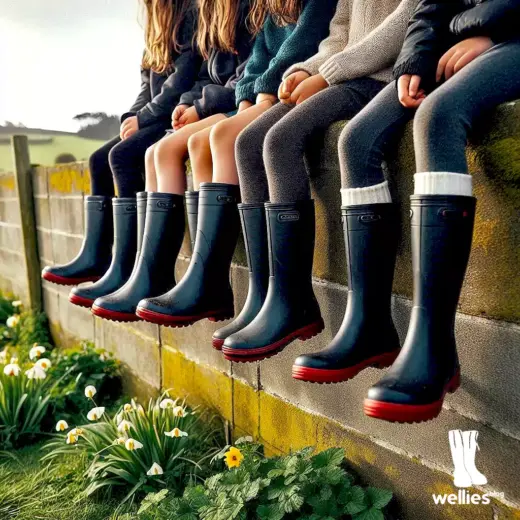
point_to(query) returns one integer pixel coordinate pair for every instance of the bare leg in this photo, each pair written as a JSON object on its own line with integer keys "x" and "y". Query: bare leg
{"x": 222, "y": 139}
{"x": 171, "y": 153}
{"x": 149, "y": 162}
{"x": 200, "y": 156}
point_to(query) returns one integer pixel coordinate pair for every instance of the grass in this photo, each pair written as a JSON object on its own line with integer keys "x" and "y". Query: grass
{"x": 30, "y": 490}
{"x": 45, "y": 154}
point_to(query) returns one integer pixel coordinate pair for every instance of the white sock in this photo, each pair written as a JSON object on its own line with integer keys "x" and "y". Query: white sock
{"x": 372, "y": 195}
{"x": 443, "y": 183}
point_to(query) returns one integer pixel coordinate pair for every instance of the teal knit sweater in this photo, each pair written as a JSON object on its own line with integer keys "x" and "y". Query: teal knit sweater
{"x": 277, "y": 48}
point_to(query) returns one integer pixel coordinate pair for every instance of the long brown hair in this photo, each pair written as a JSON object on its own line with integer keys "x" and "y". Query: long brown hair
{"x": 217, "y": 25}
{"x": 284, "y": 12}
{"x": 163, "y": 21}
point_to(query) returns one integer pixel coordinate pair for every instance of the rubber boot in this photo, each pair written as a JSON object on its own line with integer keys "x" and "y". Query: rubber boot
{"x": 461, "y": 477}
{"x": 290, "y": 310}
{"x": 205, "y": 290}
{"x": 94, "y": 257}
{"x": 128, "y": 226}
{"x": 155, "y": 268}
{"x": 254, "y": 229}
{"x": 471, "y": 446}
{"x": 427, "y": 368}
{"x": 367, "y": 337}
{"x": 192, "y": 210}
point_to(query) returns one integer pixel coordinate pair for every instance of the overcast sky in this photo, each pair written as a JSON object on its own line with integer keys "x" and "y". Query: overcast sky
{"x": 62, "y": 57}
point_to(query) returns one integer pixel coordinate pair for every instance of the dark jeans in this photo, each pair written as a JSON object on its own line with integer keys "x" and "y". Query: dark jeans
{"x": 442, "y": 122}
{"x": 122, "y": 162}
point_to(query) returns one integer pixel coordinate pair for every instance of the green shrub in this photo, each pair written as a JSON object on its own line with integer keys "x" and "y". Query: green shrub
{"x": 143, "y": 450}
{"x": 299, "y": 486}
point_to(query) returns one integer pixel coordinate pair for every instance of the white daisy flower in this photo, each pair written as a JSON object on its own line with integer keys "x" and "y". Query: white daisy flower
{"x": 44, "y": 363}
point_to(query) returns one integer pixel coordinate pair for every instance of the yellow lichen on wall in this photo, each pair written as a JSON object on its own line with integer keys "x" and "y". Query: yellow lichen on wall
{"x": 69, "y": 179}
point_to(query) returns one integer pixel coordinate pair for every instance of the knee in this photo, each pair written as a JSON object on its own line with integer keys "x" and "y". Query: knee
{"x": 98, "y": 159}
{"x": 437, "y": 113}
{"x": 198, "y": 144}
{"x": 117, "y": 155}
{"x": 149, "y": 156}
{"x": 248, "y": 145}
{"x": 277, "y": 141}
{"x": 221, "y": 135}
{"x": 165, "y": 151}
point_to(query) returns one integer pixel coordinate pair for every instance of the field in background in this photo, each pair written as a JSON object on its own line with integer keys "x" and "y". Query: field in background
{"x": 44, "y": 149}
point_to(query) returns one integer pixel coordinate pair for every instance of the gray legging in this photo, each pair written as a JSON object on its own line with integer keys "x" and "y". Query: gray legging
{"x": 270, "y": 151}
{"x": 441, "y": 124}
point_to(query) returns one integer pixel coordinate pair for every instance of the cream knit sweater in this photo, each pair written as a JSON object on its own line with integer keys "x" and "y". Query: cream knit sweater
{"x": 365, "y": 39}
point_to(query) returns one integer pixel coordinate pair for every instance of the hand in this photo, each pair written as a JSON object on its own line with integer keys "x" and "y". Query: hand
{"x": 308, "y": 88}
{"x": 244, "y": 105}
{"x": 290, "y": 83}
{"x": 266, "y": 98}
{"x": 461, "y": 55}
{"x": 189, "y": 116}
{"x": 409, "y": 91}
{"x": 177, "y": 113}
{"x": 129, "y": 127}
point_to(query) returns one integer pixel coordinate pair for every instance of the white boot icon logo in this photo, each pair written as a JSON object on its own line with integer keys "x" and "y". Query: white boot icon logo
{"x": 463, "y": 450}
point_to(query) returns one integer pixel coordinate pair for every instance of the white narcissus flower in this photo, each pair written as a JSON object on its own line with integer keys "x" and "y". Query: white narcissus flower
{"x": 120, "y": 441}
{"x": 36, "y": 372}
{"x": 36, "y": 352}
{"x": 3, "y": 356}
{"x": 44, "y": 363}
{"x": 61, "y": 426}
{"x": 12, "y": 321}
{"x": 12, "y": 369}
{"x": 96, "y": 413}
{"x": 179, "y": 411}
{"x": 90, "y": 391}
{"x": 132, "y": 444}
{"x": 16, "y": 304}
{"x": 124, "y": 426}
{"x": 127, "y": 407}
{"x": 167, "y": 403}
{"x": 155, "y": 470}
{"x": 74, "y": 435}
{"x": 176, "y": 433}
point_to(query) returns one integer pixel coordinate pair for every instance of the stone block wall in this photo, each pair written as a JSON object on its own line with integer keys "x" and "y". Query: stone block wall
{"x": 263, "y": 400}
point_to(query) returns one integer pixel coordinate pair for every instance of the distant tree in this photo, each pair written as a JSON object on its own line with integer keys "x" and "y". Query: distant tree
{"x": 64, "y": 158}
{"x": 97, "y": 125}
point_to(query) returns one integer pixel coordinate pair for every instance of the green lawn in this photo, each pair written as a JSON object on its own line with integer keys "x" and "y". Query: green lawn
{"x": 45, "y": 154}
{"x": 30, "y": 490}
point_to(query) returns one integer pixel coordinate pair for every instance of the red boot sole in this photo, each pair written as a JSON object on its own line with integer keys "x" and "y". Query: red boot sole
{"x": 258, "y": 354}
{"x": 183, "y": 321}
{"x": 409, "y": 413}
{"x": 62, "y": 280}
{"x": 320, "y": 375}
{"x": 80, "y": 301}
{"x": 217, "y": 343}
{"x": 107, "y": 314}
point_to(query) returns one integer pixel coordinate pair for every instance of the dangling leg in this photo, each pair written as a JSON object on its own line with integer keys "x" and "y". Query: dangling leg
{"x": 150, "y": 172}
{"x": 205, "y": 291}
{"x": 95, "y": 254}
{"x": 443, "y": 213}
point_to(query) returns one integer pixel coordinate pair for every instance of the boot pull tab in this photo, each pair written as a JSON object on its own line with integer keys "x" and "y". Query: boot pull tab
{"x": 226, "y": 199}
{"x": 452, "y": 214}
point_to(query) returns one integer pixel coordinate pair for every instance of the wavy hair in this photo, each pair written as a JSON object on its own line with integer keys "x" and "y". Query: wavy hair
{"x": 163, "y": 19}
{"x": 284, "y": 12}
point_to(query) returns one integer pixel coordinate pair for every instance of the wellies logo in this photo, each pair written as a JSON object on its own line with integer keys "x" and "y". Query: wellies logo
{"x": 464, "y": 448}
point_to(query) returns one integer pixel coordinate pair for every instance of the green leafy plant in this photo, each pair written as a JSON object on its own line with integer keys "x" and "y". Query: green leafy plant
{"x": 299, "y": 486}
{"x": 142, "y": 449}
{"x": 87, "y": 366}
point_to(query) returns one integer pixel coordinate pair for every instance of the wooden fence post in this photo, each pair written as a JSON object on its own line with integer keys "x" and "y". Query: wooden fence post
{"x": 24, "y": 188}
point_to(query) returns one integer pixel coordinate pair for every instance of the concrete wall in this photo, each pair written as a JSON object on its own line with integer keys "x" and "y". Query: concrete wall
{"x": 263, "y": 400}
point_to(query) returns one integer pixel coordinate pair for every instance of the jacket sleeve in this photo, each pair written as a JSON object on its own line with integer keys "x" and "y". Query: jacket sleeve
{"x": 378, "y": 50}
{"x": 427, "y": 38}
{"x": 499, "y": 19}
{"x": 311, "y": 29}
{"x": 257, "y": 64}
{"x": 334, "y": 43}
{"x": 187, "y": 65}
{"x": 143, "y": 97}
{"x": 189, "y": 97}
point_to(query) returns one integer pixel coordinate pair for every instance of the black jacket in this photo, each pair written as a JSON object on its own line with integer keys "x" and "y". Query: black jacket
{"x": 437, "y": 25}
{"x": 160, "y": 93}
{"x": 214, "y": 91}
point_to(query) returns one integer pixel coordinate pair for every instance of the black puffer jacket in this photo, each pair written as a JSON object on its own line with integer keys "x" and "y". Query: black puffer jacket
{"x": 160, "y": 93}
{"x": 437, "y": 25}
{"x": 214, "y": 91}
